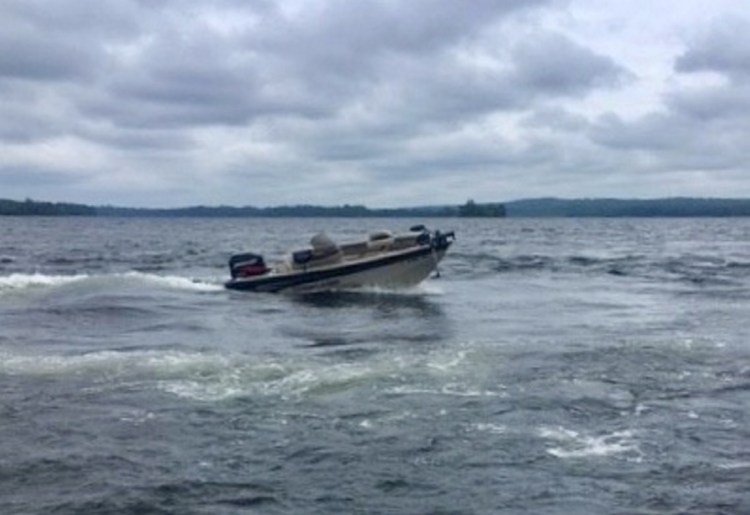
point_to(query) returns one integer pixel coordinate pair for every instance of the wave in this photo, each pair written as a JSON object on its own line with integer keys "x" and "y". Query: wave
{"x": 448, "y": 390}
{"x": 22, "y": 282}
{"x": 195, "y": 375}
{"x": 421, "y": 289}
{"x": 486, "y": 427}
{"x": 173, "y": 281}
{"x": 688, "y": 268}
{"x": 26, "y": 281}
{"x": 571, "y": 444}
{"x": 291, "y": 379}
{"x": 114, "y": 363}
{"x": 212, "y": 376}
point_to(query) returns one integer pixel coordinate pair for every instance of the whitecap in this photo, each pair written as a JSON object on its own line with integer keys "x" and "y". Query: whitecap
{"x": 19, "y": 282}
{"x": 572, "y": 444}
{"x": 422, "y": 289}
{"x": 272, "y": 379}
{"x": 734, "y": 465}
{"x": 485, "y": 427}
{"x": 15, "y": 282}
{"x": 111, "y": 363}
{"x": 447, "y": 361}
{"x": 201, "y": 390}
{"x": 450, "y": 390}
{"x": 172, "y": 281}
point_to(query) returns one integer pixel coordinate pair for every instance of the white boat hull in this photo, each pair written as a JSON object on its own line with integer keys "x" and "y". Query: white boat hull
{"x": 387, "y": 268}
{"x": 403, "y": 274}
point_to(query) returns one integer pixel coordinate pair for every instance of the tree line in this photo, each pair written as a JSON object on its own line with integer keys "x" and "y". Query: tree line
{"x": 36, "y": 208}
{"x": 542, "y": 207}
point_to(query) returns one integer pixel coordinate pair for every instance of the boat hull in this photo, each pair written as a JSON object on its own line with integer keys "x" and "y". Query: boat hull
{"x": 393, "y": 270}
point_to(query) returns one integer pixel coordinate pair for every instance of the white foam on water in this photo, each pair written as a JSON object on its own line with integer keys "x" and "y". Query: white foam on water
{"x": 20, "y": 282}
{"x": 110, "y": 363}
{"x": 450, "y": 390}
{"x": 447, "y": 362}
{"x": 575, "y": 445}
{"x": 15, "y": 282}
{"x": 201, "y": 391}
{"x": 495, "y": 429}
{"x": 462, "y": 390}
{"x": 275, "y": 379}
{"x": 172, "y": 281}
{"x": 426, "y": 288}
{"x": 214, "y": 376}
{"x": 238, "y": 378}
{"x": 194, "y": 375}
{"x": 734, "y": 465}
{"x": 321, "y": 378}
{"x": 447, "y": 372}
{"x": 137, "y": 417}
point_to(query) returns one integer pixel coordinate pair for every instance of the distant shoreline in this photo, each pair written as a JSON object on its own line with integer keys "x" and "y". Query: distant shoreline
{"x": 674, "y": 207}
{"x": 35, "y": 208}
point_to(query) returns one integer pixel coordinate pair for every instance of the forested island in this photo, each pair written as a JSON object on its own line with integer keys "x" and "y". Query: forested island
{"x": 543, "y": 207}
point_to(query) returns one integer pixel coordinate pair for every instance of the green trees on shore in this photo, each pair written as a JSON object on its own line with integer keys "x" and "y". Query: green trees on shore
{"x": 34, "y": 208}
{"x": 31, "y": 207}
{"x": 543, "y": 207}
{"x": 472, "y": 209}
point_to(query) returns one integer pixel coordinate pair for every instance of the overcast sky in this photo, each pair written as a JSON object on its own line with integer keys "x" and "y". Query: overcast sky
{"x": 388, "y": 103}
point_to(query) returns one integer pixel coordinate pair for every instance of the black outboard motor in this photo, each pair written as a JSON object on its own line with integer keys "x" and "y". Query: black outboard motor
{"x": 247, "y": 265}
{"x": 443, "y": 240}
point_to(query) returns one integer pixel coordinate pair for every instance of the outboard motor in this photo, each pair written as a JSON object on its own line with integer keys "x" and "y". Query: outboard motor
{"x": 247, "y": 265}
{"x": 443, "y": 240}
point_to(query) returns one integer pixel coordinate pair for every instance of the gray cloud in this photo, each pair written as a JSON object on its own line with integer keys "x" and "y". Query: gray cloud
{"x": 28, "y": 55}
{"x": 724, "y": 102}
{"x": 85, "y": 18}
{"x": 310, "y": 65}
{"x": 180, "y": 99}
{"x": 724, "y": 48}
{"x": 703, "y": 128}
{"x": 554, "y": 65}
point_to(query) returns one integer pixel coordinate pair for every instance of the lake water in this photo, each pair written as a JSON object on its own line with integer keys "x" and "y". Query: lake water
{"x": 556, "y": 366}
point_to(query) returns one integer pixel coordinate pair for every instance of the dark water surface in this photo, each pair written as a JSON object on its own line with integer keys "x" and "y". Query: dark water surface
{"x": 557, "y": 366}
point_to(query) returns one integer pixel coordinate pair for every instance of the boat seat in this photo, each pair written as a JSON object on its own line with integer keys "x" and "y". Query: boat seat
{"x": 316, "y": 257}
{"x": 354, "y": 249}
{"x": 404, "y": 242}
{"x": 380, "y": 240}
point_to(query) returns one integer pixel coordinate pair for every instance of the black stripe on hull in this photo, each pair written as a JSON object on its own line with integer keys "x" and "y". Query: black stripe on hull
{"x": 285, "y": 281}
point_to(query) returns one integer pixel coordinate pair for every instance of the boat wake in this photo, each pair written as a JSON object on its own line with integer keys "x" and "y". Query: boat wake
{"x": 34, "y": 282}
{"x": 17, "y": 282}
{"x": 420, "y": 290}
{"x": 210, "y": 376}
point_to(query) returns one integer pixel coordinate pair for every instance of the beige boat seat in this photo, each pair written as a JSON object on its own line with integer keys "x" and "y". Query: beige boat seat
{"x": 380, "y": 240}
{"x": 404, "y": 241}
{"x": 354, "y": 249}
{"x": 323, "y": 252}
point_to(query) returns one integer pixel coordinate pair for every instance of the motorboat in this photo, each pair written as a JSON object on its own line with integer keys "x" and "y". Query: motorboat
{"x": 383, "y": 259}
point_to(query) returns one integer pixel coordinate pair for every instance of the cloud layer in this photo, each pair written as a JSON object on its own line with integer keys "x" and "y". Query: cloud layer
{"x": 168, "y": 103}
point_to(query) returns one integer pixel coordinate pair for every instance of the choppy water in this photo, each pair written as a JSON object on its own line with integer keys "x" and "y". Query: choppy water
{"x": 557, "y": 366}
